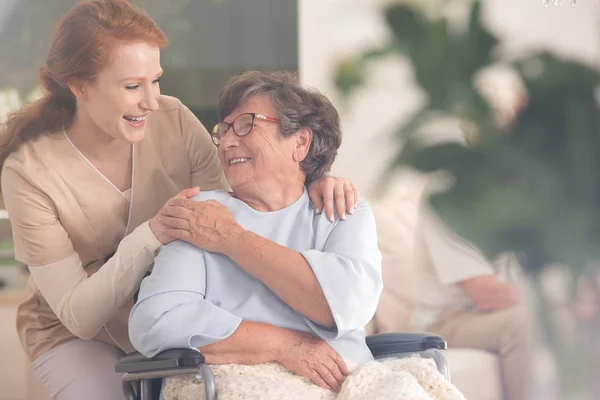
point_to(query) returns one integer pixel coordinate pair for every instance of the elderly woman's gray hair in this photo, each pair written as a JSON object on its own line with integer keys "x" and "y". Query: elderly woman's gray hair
{"x": 297, "y": 108}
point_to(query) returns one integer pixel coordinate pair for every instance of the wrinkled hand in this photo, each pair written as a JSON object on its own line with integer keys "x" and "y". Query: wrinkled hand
{"x": 158, "y": 228}
{"x": 206, "y": 224}
{"x": 314, "y": 359}
{"x": 329, "y": 189}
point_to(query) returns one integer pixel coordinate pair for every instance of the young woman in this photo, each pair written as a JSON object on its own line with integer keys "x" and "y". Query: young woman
{"x": 85, "y": 173}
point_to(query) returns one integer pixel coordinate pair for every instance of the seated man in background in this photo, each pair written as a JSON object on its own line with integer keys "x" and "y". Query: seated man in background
{"x": 471, "y": 301}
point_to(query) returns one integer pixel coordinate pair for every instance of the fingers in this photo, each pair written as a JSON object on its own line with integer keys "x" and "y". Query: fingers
{"x": 355, "y": 191}
{"x": 176, "y": 211}
{"x": 331, "y": 193}
{"x": 315, "y": 197}
{"x": 328, "y": 187}
{"x": 176, "y": 223}
{"x": 181, "y": 202}
{"x": 327, "y": 375}
{"x": 187, "y": 193}
{"x": 341, "y": 364}
{"x": 317, "y": 379}
{"x": 340, "y": 200}
{"x": 179, "y": 234}
{"x": 351, "y": 196}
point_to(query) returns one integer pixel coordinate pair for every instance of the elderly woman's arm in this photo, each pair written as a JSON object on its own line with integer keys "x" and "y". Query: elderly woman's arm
{"x": 172, "y": 312}
{"x": 337, "y": 287}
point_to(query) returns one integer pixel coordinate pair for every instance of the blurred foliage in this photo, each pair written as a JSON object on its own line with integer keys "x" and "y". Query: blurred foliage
{"x": 532, "y": 187}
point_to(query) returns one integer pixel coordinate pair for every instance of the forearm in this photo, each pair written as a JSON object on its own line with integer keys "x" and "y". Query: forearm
{"x": 84, "y": 304}
{"x": 286, "y": 272}
{"x": 500, "y": 299}
{"x": 251, "y": 343}
{"x": 490, "y": 294}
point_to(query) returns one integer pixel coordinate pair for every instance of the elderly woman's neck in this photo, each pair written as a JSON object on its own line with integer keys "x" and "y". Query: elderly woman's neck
{"x": 272, "y": 198}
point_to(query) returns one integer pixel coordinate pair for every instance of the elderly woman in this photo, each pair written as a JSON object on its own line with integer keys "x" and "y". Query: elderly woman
{"x": 277, "y": 284}
{"x": 279, "y": 281}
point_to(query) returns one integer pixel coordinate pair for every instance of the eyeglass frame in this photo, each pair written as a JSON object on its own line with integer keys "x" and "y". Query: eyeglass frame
{"x": 229, "y": 125}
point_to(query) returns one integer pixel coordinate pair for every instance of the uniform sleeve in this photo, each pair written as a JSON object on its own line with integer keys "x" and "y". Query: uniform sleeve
{"x": 453, "y": 258}
{"x": 83, "y": 304}
{"x": 172, "y": 311}
{"x": 349, "y": 272}
{"x": 206, "y": 167}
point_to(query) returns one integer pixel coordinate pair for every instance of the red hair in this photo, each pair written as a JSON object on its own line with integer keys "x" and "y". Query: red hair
{"x": 81, "y": 47}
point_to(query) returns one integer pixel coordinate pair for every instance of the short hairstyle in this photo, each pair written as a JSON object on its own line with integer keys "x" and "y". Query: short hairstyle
{"x": 297, "y": 108}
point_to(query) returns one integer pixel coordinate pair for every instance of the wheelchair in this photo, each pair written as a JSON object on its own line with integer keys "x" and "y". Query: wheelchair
{"x": 142, "y": 377}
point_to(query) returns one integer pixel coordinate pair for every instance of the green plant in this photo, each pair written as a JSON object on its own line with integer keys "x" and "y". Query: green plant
{"x": 531, "y": 186}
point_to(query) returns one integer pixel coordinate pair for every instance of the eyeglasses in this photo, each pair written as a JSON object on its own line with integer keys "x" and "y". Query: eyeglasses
{"x": 241, "y": 125}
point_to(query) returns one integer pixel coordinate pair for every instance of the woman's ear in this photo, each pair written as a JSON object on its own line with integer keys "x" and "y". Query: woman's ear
{"x": 78, "y": 89}
{"x": 302, "y": 144}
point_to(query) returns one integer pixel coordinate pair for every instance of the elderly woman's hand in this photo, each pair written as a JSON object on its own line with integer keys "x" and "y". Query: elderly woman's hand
{"x": 158, "y": 228}
{"x": 314, "y": 359}
{"x": 328, "y": 190}
{"x": 205, "y": 224}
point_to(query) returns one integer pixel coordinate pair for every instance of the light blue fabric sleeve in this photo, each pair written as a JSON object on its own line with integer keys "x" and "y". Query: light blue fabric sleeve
{"x": 349, "y": 272}
{"x": 171, "y": 311}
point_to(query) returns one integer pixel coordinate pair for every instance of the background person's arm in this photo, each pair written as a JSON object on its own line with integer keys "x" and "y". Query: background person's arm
{"x": 488, "y": 293}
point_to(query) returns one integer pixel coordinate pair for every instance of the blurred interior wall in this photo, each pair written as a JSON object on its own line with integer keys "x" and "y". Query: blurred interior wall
{"x": 332, "y": 29}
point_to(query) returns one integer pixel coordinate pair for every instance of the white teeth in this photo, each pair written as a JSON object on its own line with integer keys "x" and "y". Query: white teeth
{"x": 135, "y": 119}
{"x": 238, "y": 160}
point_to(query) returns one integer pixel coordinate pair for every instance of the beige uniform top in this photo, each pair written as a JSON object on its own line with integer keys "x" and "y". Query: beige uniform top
{"x": 67, "y": 219}
{"x": 442, "y": 260}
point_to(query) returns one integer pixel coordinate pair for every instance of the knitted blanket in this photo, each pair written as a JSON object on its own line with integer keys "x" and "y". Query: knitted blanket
{"x": 411, "y": 378}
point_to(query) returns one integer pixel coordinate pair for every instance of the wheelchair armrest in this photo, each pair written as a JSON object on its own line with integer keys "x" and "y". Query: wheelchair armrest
{"x": 384, "y": 344}
{"x": 174, "y": 358}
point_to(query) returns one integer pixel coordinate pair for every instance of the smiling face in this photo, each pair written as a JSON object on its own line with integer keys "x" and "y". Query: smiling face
{"x": 262, "y": 160}
{"x": 124, "y": 93}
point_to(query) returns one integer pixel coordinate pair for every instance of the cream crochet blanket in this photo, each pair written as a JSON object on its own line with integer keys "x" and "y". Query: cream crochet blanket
{"x": 411, "y": 378}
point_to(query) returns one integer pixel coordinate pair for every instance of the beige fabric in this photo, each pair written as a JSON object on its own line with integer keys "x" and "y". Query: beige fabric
{"x": 505, "y": 333}
{"x": 67, "y": 372}
{"x": 62, "y": 209}
{"x": 476, "y": 373}
{"x": 443, "y": 259}
{"x": 69, "y": 291}
{"x": 395, "y": 235}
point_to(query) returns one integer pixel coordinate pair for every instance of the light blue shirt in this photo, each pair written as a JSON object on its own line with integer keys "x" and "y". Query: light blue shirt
{"x": 194, "y": 297}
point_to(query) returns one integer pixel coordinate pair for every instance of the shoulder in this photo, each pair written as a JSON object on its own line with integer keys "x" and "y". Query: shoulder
{"x": 362, "y": 217}
{"x": 363, "y": 210}
{"x": 170, "y": 110}
{"x": 34, "y": 157}
{"x": 166, "y": 125}
{"x": 169, "y": 103}
{"x": 364, "y": 206}
{"x": 172, "y": 116}
{"x": 172, "y": 106}
{"x": 360, "y": 223}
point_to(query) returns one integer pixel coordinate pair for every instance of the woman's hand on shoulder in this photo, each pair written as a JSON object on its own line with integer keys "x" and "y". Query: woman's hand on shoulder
{"x": 331, "y": 191}
{"x": 313, "y": 358}
{"x": 205, "y": 224}
{"x": 159, "y": 228}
